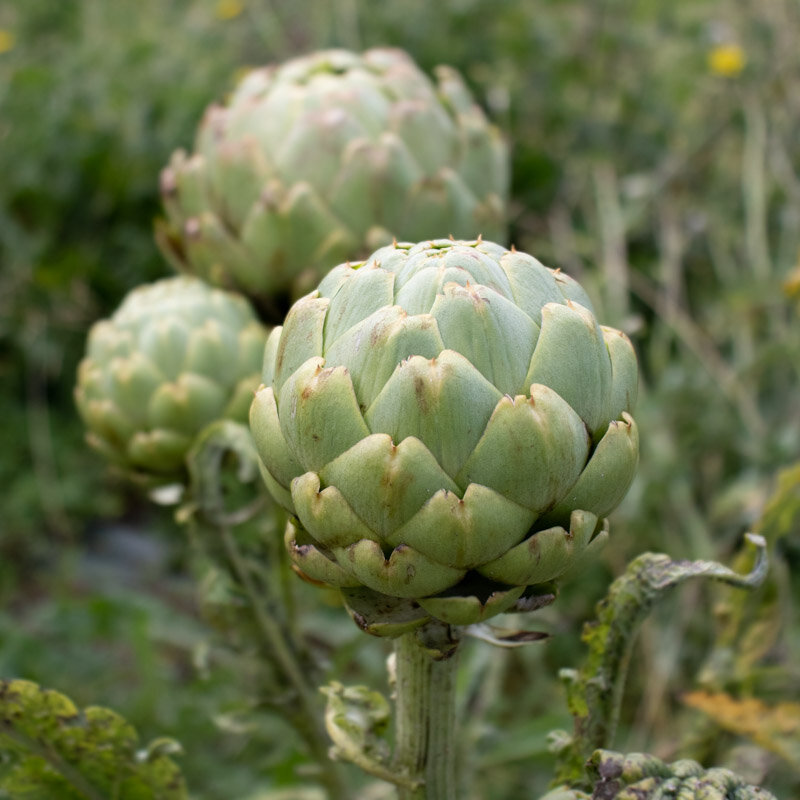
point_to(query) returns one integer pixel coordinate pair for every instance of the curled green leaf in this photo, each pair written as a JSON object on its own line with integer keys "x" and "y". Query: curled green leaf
{"x": 594, "y": 691}
{"x": 222, "y": 461}
{"x": 357, "y": 719}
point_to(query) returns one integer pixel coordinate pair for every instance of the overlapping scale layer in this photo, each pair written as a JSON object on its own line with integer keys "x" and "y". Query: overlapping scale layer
{"x": 324, "y": 158}
{"x": 442, "y": 416}
{"x": 174, "y": 357}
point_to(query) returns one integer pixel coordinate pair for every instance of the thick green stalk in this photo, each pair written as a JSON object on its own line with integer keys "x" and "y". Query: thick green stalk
{"x": 425, "y": 741}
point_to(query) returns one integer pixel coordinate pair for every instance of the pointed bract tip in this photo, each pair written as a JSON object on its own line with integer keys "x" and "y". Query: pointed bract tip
{"x": 168, "y": 182}
{"x": 192, "y": 227}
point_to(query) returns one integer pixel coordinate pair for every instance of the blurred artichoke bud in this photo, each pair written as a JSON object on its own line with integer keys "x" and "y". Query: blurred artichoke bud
{"x": 641, "y": 776}
{"x": 174, "y": 357}
{"x": 448, "y": 423}
{"x": 325, "y": 158}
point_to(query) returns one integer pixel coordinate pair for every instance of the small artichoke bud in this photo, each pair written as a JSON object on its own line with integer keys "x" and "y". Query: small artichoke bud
{"x": 641, "y": 776}
{"x": 174, "y": 357}
{"x": 449, "y": 425}
{"x": 324, "y": 158}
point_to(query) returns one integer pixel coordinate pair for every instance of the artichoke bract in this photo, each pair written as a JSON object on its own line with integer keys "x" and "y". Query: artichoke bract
{"x": 448, "y": 424}
{"x": 640, "y": 776}
{"x": 325, "y": 158}
{"x": 174, "y": 357}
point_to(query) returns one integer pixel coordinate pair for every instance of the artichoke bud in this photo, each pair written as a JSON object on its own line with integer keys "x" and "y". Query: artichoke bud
{"x": 307, "y": 160}
{"x": 434, "y": 201}
{"x": 448, "y": 425}
{"x": 481, "y": 154}
{"x": 621, "y": 776}
{"x": 185, "y": 178}
{"x": 240, "y": 172}
{"x": 220, "y": 257}
{"x": 174, "y": 357}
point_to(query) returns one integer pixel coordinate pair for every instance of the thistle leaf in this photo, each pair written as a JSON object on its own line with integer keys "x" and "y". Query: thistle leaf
{"x": 594, "y": 691}
{"x": 54, "y": 751}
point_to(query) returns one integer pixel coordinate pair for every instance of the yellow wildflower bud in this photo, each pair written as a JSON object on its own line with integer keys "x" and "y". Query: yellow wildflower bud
{"x": 228, "y": 9}
{"x": 727, "y": 60}
{"x": 7, "y": 40}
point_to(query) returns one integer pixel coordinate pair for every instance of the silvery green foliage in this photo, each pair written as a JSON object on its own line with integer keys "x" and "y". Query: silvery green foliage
{"x": 448, "y": 423}
{"x": 324, "y": 158}
{"x": 595, "y": 690}
{"x": 176, "y": 356}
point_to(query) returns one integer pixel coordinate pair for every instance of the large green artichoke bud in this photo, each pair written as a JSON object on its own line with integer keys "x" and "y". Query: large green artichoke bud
{"x": 448, "y": 423}
{"x": 174, "y": 357}
{"x": 324, "y": 158}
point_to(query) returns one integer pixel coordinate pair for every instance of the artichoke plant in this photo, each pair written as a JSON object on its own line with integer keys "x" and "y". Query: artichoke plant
{"x": 640, "y": 776}
{"x": 322, "y": 159}
{"x": 448, "y": 424}
{"x": 174, "y": 357}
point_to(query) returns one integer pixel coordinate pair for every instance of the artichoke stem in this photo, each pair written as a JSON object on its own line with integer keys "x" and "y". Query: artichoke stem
{"x": 288, "y": 663}
{"x": 425, "y": 717}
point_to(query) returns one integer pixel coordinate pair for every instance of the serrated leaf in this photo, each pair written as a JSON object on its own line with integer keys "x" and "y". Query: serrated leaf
{"x": 54, "y": 751}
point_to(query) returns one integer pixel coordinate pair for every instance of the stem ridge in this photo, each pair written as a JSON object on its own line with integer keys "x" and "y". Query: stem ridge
{"x": 426, "y": 664}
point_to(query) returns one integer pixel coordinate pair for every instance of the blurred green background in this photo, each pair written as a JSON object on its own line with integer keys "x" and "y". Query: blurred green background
{"x": 656, "y": 157}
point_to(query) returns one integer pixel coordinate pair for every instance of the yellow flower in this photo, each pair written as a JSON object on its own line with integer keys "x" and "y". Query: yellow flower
{"x": 7, "y": 40}
{"x": 228, "y": 9}
{"x": 726, "y": 60}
